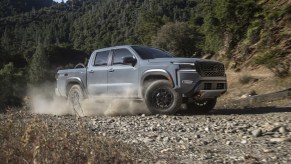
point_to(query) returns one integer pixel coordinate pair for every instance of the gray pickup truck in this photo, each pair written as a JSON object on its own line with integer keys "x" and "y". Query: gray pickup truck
{"x": 152, "y": 75}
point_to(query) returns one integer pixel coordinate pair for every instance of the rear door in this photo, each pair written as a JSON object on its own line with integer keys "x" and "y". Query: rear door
{"x": 97, "y": 74}
{"x": 122, "y": 78}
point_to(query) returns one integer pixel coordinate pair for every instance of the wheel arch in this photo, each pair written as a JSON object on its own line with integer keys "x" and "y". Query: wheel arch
{"x": 156, "y": 74}
{"x": 152, "y": 75}
{"x": 75, "y": 81}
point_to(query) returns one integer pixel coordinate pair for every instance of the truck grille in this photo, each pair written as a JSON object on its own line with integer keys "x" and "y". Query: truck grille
{"x": 211, "y": 69}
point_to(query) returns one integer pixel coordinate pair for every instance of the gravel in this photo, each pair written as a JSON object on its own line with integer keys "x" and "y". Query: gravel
{"x": 249, "y": 135}
{"x": 261, "y": 135}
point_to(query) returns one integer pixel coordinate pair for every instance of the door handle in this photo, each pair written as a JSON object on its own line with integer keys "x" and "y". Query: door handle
{"x": 111, "y": 70}
{"x": 91, "y": 71}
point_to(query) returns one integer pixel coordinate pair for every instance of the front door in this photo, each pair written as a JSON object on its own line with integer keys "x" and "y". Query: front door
{"x": 122, "y": 78}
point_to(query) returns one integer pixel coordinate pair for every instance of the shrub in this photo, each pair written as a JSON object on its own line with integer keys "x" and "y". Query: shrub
{"x": 274, "y": 60}
{"x": 253, "y": 34}
{"x": 245, "y": 79}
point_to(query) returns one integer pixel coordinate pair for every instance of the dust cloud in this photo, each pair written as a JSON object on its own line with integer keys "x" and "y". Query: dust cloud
{"x": 44, "y": 101}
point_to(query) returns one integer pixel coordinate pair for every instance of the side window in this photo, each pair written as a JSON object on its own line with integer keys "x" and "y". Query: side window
{"x": 101, "y": 58}
{"x": 119, "y": 54}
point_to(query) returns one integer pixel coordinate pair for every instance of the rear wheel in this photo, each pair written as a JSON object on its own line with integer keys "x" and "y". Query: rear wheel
{"x": 200, "y": 106}
{"x": 161, "y": 98}
{"x": 75, "y": 97}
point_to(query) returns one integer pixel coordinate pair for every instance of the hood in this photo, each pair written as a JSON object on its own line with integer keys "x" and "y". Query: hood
{"x": 180, "y": 60}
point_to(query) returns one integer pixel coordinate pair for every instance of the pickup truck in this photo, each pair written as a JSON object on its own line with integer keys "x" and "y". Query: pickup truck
{"x": 151, "y": 75}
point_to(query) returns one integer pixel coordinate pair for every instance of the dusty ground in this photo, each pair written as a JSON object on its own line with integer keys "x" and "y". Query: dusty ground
{"x": 261, "y": 135}
{"x": 251, "y": 135}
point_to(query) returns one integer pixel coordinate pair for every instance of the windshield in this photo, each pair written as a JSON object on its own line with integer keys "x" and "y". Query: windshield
{"x": 151, "y": 53}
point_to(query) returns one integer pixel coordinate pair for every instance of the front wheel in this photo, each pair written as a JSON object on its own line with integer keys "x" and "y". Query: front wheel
{"x": 161, "y": 98}
{"x": 201, "y": 106}
{"x": 75, "y": 97}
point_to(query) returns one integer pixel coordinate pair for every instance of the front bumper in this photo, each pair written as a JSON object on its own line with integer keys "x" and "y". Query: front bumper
{"x": 191, "y": 84}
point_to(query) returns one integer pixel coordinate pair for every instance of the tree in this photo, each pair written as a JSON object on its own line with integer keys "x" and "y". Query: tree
{"x": 38, "y": 67}
{"x": 11, "y": 86}
{"x": 178, "y": 38}
{"x": 148, "y": 24}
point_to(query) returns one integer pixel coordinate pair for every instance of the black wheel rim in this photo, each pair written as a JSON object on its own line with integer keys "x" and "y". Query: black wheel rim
{"x": 162, "y": 98}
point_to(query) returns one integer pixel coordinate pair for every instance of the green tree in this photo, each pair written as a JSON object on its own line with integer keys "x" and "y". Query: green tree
{"x": 11, "y": 86}
{"x": 38, "y": 67}
{"x": 178, "y": 38}
{"x": 148, "y": 25}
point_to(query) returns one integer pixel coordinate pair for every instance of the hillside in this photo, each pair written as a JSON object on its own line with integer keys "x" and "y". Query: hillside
{"x": 37, "y": 37}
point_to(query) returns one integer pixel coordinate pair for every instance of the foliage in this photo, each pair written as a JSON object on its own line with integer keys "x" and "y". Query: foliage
{"x": 253, "y": 32}
{"x": 149, "y": 23}
{"x": 10, "y": 88}
{"x": 38, "y": 67}
{"x": 177, "y": 38}
{"x": 13, "y": 7}
{"x": 68, "y": 31}
{"x": 271, "y": 59}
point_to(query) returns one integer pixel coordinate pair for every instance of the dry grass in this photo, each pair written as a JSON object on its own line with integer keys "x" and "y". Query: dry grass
{"x": 31, "y": 139}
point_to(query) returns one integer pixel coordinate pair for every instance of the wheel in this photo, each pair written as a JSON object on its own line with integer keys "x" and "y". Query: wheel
{"x": 161, "y": 98}
{"x": 75, "y": 97}
{"x": 200, "y": 106}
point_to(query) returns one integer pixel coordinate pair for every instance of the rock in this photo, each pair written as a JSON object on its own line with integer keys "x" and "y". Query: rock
{"x": 279, "y": 139}
{"x": 244, "y": 96}
{"x": 165, "y": 150}
{"x": 282, "y": 130}
{"x": 166, "y": 139}
{"x": 147, "y": 139}
{"x": 257, "y": 133}
{"x": 267, "y": 150}
{"x": 228, "y": 143}
{"x": 207, "y": 129}
{"x": 274, "y": 129}
{"x": 252, "y": 93}
{"x": 204, "y": 142}
{"x": 161, "y": 162}
{"x": 244, "y": 141}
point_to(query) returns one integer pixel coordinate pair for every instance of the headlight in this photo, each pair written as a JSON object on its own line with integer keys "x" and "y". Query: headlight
{"x": 186, "y": 66}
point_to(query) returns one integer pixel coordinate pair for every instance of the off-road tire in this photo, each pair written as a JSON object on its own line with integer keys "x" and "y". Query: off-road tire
{"x": 161, "y": 98}
{"x": 200, "y": 106}
{"x": 75, "y": 98}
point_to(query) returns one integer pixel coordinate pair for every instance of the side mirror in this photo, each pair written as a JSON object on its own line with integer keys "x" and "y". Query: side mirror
{"x": 129, "y": 60}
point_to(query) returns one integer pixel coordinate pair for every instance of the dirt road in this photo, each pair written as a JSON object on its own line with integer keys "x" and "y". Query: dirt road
{"x": 260, "y": 135}
{"x": 240, "y": 135}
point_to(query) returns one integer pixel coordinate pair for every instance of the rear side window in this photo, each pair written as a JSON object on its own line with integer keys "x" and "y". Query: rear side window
{"x": 119, "y": 54}
{"x": 101, "y": 58}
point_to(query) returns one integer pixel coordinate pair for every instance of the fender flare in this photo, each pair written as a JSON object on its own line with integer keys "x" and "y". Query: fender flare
{"x": 78, "y": 81}
{"x": 159, "y": 72}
